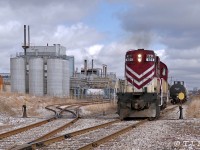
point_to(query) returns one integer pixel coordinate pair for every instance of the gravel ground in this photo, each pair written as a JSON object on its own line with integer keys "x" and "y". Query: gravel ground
{"x": 8, "y": 123}
{"x": 31, "y": 134}
{"x": 167, "y": 133}
{"x": 79, "y": 141}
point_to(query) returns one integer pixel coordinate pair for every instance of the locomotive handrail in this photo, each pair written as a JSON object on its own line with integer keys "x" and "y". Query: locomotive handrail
{"x": 161, "y": 91}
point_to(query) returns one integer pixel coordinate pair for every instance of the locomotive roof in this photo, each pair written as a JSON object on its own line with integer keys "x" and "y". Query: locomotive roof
{"x": 145, "y": 51}
{"x": 162, "y": 63}
{"x": 141, "y": 50}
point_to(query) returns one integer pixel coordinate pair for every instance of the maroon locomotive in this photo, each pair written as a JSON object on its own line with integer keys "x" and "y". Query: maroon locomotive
{"x": 144, "y": 92}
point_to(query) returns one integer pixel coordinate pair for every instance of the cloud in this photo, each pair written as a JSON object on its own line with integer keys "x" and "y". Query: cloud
{"x": 75, "y": 36}
{"x": 171, "y": 28}
{"x": 94, "y": 50}
{"x": 174, "y": 25}
{"x": 88, "y": 53}
{"x": 50, "y": 22}
{"x": 47, "y": 11}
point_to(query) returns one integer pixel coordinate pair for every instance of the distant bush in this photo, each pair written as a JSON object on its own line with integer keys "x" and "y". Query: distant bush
{"x": 104, "y": 108}
{"x": 193, "y": 110}
{"x": 11, "y": 103}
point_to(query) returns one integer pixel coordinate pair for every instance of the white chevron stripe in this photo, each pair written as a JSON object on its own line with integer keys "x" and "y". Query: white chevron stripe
{"x": 137, "y": 75}
{"x": 139, "y": 83}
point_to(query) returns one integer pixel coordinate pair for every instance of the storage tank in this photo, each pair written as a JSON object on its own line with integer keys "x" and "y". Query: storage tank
{"x": 71, "y": 65}
{"x": 55, "y": 77}
{"x": 36, "y": 76}
{"x": 66, "y": 78}
{"x": 17, "y": 71}
{"x": 175, "y": 89}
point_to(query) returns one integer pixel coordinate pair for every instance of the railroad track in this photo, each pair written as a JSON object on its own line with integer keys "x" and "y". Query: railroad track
{"x": 35, "y": 132}
{"x": 65, "y": 136}
{"x": 34, "y": 125}
{"x": 111, "y": 136}
{"x": 19, "y": 130}
{"x": 168, "y": 110}
{"x": 80, "y": 139}
{"x": 11, "y": 138}
{"x": 76, "y": 139}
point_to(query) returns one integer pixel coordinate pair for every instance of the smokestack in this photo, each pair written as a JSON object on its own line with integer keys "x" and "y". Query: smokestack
{"x": 85, "y": 66}
{"x": 105, "y": 70}
{"x": 24, "y": 40}
{"x": 92, "y": 65}
{"x": 24, "y": 35}
{"x": 25, "y": 46}
{"x": 28, "y": 36}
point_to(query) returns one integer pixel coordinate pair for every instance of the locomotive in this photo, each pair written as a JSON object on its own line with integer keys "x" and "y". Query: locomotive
{"x": 175, "y": 89}
{"x": 144, "y": 92}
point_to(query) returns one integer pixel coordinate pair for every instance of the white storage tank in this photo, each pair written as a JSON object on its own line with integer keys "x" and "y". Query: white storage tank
{"x": 66, "y": 78}
{"x": 71, "y": 65}
{"x": 17, "y": 71}
{"x": 36, "y": 76}
{"x": 55, "y": 77}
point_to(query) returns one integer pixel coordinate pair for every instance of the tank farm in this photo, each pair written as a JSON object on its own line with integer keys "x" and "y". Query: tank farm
{"x": 58, "y": 107}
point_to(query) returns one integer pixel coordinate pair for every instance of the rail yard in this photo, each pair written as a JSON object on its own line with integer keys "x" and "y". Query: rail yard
{"x": 96, "y": 110}
{"x": 100, "y": 75}
{"x": 68, "y": 128}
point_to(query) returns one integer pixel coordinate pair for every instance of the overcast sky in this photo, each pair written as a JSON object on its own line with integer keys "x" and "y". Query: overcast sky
{"x": 104, "y": 30}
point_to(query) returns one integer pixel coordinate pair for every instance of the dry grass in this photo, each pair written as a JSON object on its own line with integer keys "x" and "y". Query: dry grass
{"x": 11, "y": 103}
{"x": 193, "y": 110}
{"x": 104, "y": 108}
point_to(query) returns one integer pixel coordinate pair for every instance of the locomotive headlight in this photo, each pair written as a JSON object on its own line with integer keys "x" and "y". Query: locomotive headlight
{"x": 181, "y": 96}
{"x": 139, "y": 57}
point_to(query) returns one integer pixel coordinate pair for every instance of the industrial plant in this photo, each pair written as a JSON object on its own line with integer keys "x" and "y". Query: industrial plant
{"x": 95, "y": 83}
{"x": 47, "y": 70}
{"x": 41, "y": 70}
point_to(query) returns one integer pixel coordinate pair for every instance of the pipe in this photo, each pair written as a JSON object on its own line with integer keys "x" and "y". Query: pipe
{"x": 28, "y": 36}
{"x": 161, "y": 90}
{"x": 24, "y": 35}
{"x": 92, "y": 65}
{"x": 85, "y": 66}
{"x": 24, "y": 40}
{"x": 105, "y": 70}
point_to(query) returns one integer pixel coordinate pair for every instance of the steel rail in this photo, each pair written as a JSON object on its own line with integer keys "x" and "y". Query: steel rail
{"x": 19, "y": 130}
{"x": 51, "y": 133}
{"x": 50, "y": 109}
{"x": 169, "y": 109}
{"x": 67, "y": 109}
{"x": 30, "y": 146}
{"x": 111, "y": 136}
{"x": 77, "y": 105}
